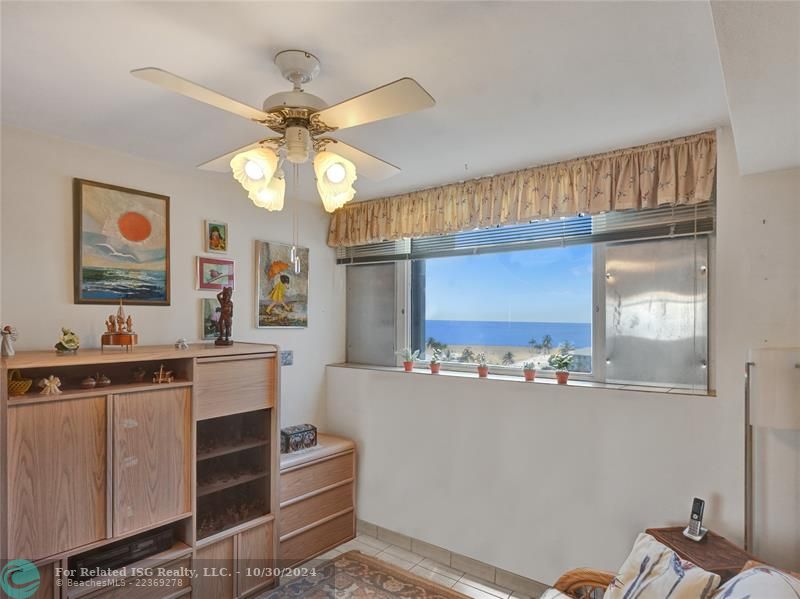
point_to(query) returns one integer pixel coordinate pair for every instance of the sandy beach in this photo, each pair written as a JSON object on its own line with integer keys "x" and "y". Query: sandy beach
{"x": 496, "y": 354}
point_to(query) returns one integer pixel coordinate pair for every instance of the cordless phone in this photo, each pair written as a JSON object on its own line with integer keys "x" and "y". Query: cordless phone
{"x": 695, "y": 530}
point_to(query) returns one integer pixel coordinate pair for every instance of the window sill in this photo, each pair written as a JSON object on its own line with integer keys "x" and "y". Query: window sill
{"x": 538, "y": 381}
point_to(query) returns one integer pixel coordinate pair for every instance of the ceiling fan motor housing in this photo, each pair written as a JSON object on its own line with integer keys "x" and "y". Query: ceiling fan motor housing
{"x": 298, "y": 144}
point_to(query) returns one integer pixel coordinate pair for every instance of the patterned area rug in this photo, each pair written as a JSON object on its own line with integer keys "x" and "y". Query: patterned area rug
{"x": 354, "y": 575}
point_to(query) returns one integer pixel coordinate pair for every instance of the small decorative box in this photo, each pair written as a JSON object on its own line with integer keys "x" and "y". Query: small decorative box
{"x": 297, "y": 437}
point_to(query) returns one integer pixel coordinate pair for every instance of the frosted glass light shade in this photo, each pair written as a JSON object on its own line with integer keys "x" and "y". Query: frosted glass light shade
{"x": 775, "y": 388}
{"x": 270, "y": 196}
{"x": 335, "y": 178}
{"x": 254, "y": 169}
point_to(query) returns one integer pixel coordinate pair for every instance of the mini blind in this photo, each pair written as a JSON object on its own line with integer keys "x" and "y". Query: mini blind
{"x": 632, "y": 225}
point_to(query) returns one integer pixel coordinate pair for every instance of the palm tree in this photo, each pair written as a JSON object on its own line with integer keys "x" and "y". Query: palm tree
{"x": 567, "y": 347}
{"x": 434, "y": 344}
{"x": 467, "y": 355}
{"x": 508, "y": 358}
{"x": 547, "y": 343}
{"x": 533, "y": 344}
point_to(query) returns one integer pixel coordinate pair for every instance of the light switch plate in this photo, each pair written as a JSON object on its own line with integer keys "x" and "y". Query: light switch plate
{"x": 287, "y": 358}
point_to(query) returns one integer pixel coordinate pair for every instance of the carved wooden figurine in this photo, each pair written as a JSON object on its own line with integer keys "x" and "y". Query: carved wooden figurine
{"x": 225, "y": 322}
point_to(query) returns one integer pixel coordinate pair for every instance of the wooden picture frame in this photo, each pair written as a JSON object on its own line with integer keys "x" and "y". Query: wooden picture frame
{"x": 217, "y": 236}
{"x": 121, "y": 249}
{"x": 212, "y": 274}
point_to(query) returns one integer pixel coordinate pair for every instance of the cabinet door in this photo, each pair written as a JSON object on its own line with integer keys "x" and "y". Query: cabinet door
{"x": 255, "y": 558}
{"x": 214, "y": 567}
{"x": 152, "y": 457}
{"x": 56, "y": 476}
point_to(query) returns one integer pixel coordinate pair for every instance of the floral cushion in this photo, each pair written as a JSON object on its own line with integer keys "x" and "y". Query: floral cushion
{"x": 654, "y": 571}
{"x": 760, "y": 581}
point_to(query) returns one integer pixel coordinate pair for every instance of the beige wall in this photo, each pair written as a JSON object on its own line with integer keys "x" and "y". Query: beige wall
{"x": 538, "y": 479}
{"x": 36, "y": 248}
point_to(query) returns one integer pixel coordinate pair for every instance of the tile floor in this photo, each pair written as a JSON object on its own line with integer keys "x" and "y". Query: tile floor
{"x": 466, "y": 584}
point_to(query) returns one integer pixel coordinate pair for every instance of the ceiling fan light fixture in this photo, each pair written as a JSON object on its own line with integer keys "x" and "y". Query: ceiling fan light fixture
{"x": 335, "y": 178}
{"x": 270, "y": 196}
{"x": 255, "y": 168}
{"x": 298, "y": 144}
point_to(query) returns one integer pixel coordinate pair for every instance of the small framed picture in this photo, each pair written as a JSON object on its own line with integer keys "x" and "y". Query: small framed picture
{"x": 216, "y": 233}
{"x": 210, "y": 317}
{"x": 214, "y": 273}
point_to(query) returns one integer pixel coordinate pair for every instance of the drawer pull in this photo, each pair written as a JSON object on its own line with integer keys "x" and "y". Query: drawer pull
{"x": 129, "y": 423}
{"x": 130, "y": 462}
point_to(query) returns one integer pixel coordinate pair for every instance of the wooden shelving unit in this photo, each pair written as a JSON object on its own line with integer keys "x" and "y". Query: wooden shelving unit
{"x": 233, "y": 471}
{"x": 144, "y": 457}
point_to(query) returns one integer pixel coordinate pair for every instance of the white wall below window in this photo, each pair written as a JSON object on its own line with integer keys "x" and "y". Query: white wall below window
{"x": 539, "y": 479}
{"x": 37, "y": 258}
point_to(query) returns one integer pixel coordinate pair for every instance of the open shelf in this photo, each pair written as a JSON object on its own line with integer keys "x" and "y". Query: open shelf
{"x": 233, "y": 471}
{"x": 203, "y": 490}
{"x": 116, "y": 561}
{"x": 232, "y": 448}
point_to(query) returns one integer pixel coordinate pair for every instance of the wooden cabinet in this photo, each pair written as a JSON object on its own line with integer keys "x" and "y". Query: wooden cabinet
{"x": 255, "y": 558}
{"x": 56, "y": 476}
{"x": 90, "y": 475}
{"x": 317, "y": 491}
{"x": 152, "y": 458}
{"x": 215, "y": 566}
{"x": 234, "y": 384}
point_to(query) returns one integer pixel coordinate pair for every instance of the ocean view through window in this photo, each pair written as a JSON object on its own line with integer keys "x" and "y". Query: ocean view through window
{"x": 514, "y": 307}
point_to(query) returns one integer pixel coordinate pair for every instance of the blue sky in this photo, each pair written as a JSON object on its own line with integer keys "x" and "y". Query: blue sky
{"x": 546, "y": 285}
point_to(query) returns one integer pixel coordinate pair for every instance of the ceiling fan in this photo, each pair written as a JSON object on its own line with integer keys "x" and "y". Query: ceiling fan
{"x": 303, "y": 122}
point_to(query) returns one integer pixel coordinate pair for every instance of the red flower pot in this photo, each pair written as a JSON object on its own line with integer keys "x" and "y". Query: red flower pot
{"x": 408, "y": 366}
{"x": 529, "y": 375}
{"x": 435, "y": 368}
{"x": 562, "y": 376}
{"x": 483, "y": 371}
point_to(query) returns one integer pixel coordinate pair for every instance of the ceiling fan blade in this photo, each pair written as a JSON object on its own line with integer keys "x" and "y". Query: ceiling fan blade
{"x": 222, "y": 164}
{"x": 366, "y": 164}
{"x": 393, "y": 99}
{"x": 185, "y": 87}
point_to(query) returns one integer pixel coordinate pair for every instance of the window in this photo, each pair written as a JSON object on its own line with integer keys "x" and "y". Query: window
{"x": 514, "y": 307}
{"x": 626, "y": 294}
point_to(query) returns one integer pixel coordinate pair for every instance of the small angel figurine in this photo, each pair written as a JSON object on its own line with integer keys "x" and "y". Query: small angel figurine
{"x": 9, "y": 334}
{"x": 50, "y": 385}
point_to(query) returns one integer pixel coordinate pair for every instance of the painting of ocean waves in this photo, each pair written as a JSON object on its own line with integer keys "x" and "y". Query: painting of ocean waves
{"x": 125, "y": 284}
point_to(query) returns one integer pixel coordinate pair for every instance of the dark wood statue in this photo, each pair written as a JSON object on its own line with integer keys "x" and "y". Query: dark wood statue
{"x": 225, "y": 322}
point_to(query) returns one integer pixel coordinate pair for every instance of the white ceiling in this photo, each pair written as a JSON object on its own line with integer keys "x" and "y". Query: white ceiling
{"x": 759, "y": 45}
{"x": 516, "y": 83}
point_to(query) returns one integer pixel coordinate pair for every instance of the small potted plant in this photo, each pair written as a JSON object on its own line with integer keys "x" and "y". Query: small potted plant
{"x": 561, "y": 361}
{"x": 483, "y": 367}
{"x": 409, "y": 357}
{"x": 529, "y": 370}
{"x": 436, "y": 361}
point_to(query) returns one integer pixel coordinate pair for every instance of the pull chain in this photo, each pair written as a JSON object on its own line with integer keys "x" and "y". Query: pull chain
{"x": 295, "y": 258}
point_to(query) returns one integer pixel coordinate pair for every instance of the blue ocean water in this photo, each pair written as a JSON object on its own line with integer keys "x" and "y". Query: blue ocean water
{"x": 486, "y": 332}
{"x": 120, "y": 283}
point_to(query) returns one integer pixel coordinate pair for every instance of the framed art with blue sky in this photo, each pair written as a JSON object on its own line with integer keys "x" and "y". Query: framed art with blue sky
{"x": 121, "y": 245}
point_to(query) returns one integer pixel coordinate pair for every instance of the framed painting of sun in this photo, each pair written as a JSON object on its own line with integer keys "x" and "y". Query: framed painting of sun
{"x": 121, "y": 245}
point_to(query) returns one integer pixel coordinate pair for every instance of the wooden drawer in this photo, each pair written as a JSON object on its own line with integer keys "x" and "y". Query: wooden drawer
{"x": 317, "y": 475}
{"x": 232, "y": 385}
{"x": 317, "y": 540}
{"x": 151, "y": 587}
{"x": 308, "y": 511}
